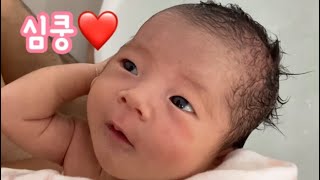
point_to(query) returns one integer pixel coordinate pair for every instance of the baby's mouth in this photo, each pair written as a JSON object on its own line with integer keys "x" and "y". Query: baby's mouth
{"x": 119, "y": 133}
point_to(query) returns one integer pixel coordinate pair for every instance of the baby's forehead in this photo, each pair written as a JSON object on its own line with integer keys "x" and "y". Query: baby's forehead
{"x": 172, "y": 40}
{"x": 169, "y": 42}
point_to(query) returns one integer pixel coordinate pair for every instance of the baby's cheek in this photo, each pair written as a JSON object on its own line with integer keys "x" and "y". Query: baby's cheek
{"x": 93, "y": 102}
{"x": 172, "y": 146}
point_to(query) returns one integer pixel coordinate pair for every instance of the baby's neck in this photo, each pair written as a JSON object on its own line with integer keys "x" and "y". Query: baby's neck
{"x": 105, "y": 176}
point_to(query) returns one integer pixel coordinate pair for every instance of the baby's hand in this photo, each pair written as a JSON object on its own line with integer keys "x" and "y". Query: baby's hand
{"x": 101, "y": 66}
{"x": 99, "y": 69}
{"x": 29, "y": 105}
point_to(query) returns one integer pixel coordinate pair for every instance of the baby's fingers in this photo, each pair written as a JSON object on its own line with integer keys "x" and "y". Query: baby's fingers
{"x": 99, "y": 69}
{"x": 101, "y": 66}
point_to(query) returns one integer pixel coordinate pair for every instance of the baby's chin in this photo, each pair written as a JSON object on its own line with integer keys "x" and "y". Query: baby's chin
{"x": 119, "y": 170}
{"x": 133, "y": 170}
{"x": 120, "y": 165}
{"x": 113, "y": 161}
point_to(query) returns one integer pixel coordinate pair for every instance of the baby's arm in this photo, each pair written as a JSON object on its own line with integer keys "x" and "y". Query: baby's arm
{"x": 28, "y": 108}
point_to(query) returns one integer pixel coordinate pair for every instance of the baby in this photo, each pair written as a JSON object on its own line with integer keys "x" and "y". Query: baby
{"x": 188, "y": 89}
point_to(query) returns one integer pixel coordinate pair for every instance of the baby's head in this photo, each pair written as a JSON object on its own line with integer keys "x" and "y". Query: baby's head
{"x": 190, "y": 87}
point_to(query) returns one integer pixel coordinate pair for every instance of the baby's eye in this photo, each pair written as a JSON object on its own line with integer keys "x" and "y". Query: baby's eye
{"x": 181, "y": 103}
{"x": 130, "y": 66}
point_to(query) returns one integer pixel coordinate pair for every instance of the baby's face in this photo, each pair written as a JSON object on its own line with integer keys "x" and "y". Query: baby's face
{"x": 165, "y": 90}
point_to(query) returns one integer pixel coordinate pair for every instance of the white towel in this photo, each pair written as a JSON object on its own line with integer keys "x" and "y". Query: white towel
{"x": 23, "y": 174}
{"x": 247, "y": 165}
{"x": 239, "y": 165}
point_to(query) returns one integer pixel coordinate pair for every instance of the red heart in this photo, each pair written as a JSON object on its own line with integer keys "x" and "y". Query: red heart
{"x": 97, "y": 30}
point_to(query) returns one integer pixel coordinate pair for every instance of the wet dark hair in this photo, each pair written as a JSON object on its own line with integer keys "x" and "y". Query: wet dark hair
{"x": 254, "y": 98}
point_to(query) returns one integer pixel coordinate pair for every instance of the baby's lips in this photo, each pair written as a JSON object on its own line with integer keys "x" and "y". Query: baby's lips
{"x": 117, "y": 121}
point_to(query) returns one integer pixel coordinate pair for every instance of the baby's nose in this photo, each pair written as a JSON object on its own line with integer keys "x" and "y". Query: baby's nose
{"x": 134, "y": 102}
{"x": 123, "y": 99}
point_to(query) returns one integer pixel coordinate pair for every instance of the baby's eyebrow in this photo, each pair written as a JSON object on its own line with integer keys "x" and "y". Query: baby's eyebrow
{"x": 199, "y": 89}
{"x": 195, "y": 83}
{"x": 138, "y": 47}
